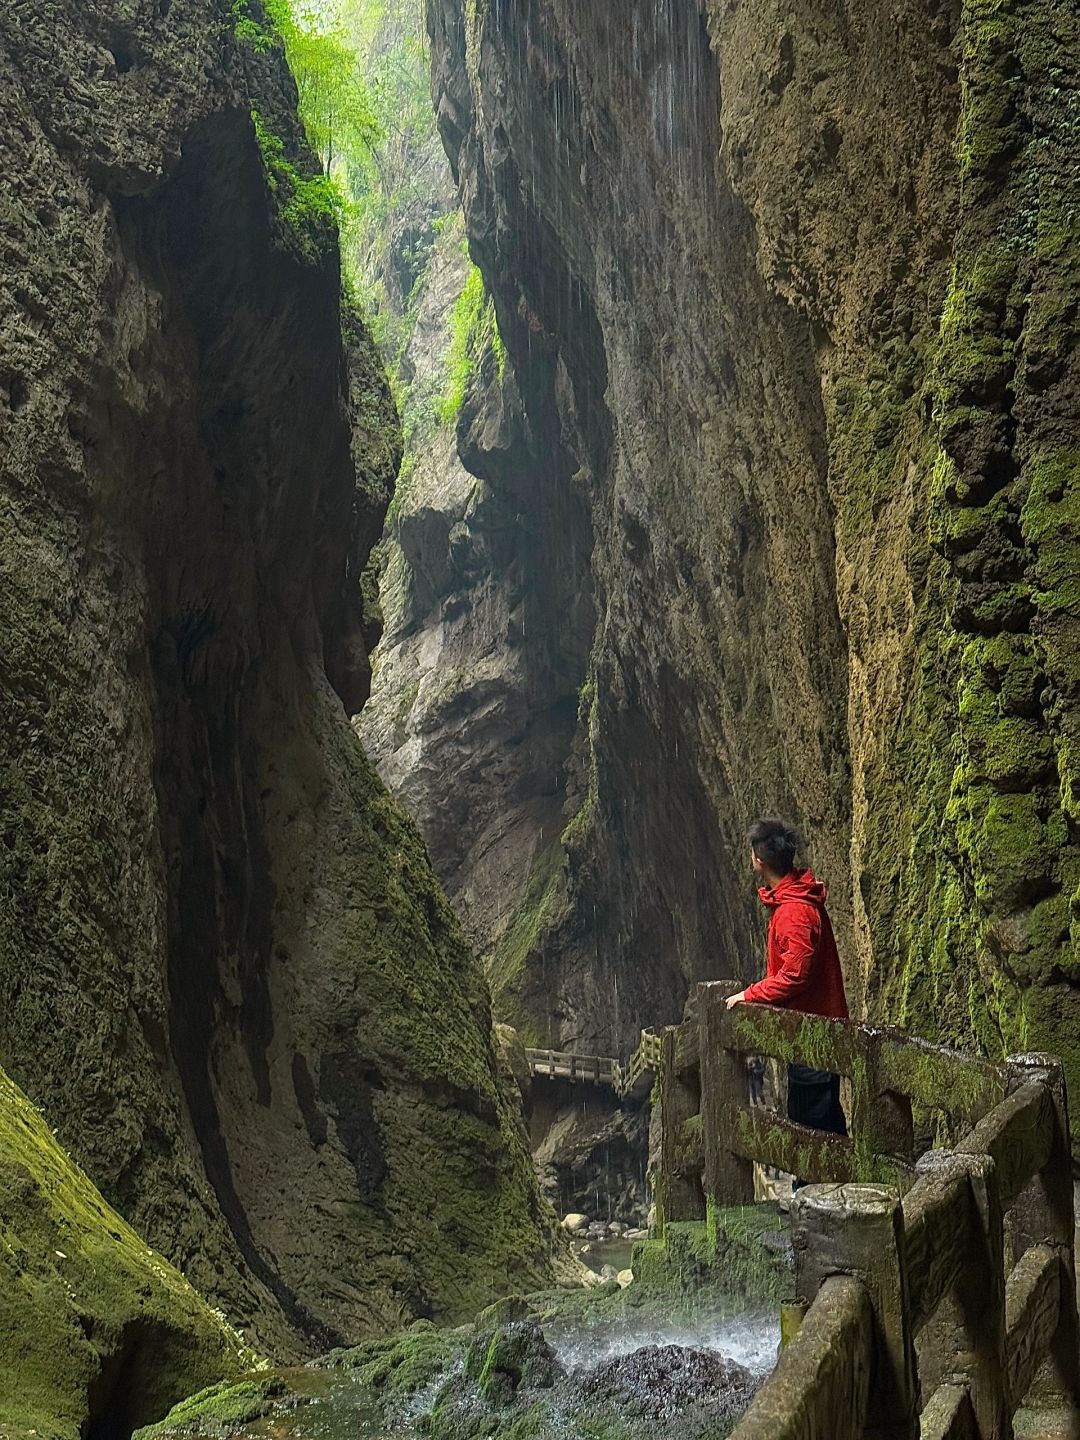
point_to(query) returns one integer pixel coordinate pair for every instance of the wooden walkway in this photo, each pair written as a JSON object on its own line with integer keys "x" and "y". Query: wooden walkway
{"x": 635, "y": 1078}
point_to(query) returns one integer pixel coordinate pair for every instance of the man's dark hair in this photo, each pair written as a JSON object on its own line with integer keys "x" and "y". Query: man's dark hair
{"x": 774, "y": 843}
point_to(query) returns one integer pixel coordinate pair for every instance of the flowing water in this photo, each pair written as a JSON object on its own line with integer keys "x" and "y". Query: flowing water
{"x": 341, "y": 1407}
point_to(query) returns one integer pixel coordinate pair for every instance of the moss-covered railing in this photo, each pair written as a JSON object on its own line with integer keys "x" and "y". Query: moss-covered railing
{"x": 915, "y": 1323}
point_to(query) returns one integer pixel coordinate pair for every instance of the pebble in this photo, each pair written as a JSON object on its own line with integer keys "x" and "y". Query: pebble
{"x": 625, "y": 1278}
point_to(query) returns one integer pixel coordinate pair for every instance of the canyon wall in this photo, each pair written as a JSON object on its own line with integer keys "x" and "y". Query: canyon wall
{"x": 790, "y": 295}
{"x": 228, "y": 974}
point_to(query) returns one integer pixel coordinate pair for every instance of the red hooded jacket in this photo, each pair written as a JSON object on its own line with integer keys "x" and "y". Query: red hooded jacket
{"x": 802, "y": 970}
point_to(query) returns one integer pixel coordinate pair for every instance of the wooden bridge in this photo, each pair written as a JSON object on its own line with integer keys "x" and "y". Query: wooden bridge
{"x": 937, "y": 1291}
{"x": 636, "y": 1077}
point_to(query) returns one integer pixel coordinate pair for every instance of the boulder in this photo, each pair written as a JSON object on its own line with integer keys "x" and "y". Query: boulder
{"x": 513, "y": 1357}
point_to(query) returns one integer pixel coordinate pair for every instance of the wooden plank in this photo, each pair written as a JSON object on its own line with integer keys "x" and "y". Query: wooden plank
{"x": 859, "y": 1230}
{"x": 677, "y": 1186}
{"x": 729, "y": 1176}
{"x": 949, "y": 1415}
{"x": 1032, "y": 1303}
{"x": 820, "y": 1387}
{"x": 938, "y": 1233}
{"x": 1018, "y": 1135}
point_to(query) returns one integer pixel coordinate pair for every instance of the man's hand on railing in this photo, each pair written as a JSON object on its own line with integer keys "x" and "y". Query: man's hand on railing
{"x": 733, "y": 1000}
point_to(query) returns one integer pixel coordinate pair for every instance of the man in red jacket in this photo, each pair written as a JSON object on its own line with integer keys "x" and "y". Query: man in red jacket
{"x": 802, "y": 967}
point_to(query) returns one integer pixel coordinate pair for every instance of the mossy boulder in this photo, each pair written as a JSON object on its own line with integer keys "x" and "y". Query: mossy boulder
{"x": 400, "y": 1365}
{"x": 513, "y": 1357}
{"x": 218, "y": 1409}
{"x": 95, "y": 1328}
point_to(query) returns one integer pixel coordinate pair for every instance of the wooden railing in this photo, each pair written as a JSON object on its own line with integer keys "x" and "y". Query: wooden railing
{"x": 565, "y": 1065}
{"x": 916, "y": 1325}
{"x": 633, "y": 1078}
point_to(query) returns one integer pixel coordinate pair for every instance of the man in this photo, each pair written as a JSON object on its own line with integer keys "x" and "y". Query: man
{"x": 802, "y": 967}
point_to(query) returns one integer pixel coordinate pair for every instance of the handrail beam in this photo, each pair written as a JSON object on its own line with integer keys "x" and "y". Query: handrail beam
{"x": 821, "y": 1384}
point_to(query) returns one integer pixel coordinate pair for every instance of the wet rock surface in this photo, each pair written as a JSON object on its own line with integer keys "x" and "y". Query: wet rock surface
{"x": 668, "y": 1357}
{"x": 663, "y": 1382}
{"x": 591, "y": 1154}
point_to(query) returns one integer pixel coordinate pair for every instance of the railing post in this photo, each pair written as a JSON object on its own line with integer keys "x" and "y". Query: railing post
{"x": 859, "y": 1230}
{"x": 678, "y": 1196}
{"x": 964, "y": 1340}
{"x": 729, "y": 1179}
{"x": 1043, "y": 1215}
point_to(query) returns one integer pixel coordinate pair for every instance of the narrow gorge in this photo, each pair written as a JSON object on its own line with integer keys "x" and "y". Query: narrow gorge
{"x": 460, "y": 462}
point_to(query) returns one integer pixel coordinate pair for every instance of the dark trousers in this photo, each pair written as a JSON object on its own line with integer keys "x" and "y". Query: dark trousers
{"x": 814, "y": 1100}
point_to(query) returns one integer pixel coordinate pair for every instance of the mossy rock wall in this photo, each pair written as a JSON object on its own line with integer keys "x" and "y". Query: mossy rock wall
{"x": 227, "y": 973}
{"x": 817, "y": 315}
{"x": 96, "y": 1329}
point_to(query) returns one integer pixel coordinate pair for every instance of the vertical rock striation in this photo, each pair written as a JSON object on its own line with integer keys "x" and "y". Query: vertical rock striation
{"x": 227, "y": 973}
{"x": 622, "y": 264}
{"x": 486, "y": 597}
{"x": 808, "y": 283}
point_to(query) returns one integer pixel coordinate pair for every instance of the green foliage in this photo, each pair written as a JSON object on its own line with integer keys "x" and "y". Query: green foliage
{"x": 309, "y": 205}
{"x": 335, "y": 103}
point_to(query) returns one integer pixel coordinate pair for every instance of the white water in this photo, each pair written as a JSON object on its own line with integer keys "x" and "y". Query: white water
{"x": 751, "y": 1340}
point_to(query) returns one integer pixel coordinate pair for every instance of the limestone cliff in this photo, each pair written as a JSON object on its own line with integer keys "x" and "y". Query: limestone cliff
{"x": 797, "y": 288}
{"x": 227, "y": 972}
{"x": 475, "y": 696}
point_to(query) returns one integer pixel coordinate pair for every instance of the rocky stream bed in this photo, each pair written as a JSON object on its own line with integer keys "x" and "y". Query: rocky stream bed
{"x": 678, "y": 1352}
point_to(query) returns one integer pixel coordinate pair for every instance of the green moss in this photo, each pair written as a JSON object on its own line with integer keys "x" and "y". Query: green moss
{"x": 312, "y": 206}
{"x": 472, "y": 328}
{"x": 725, "y": 1255}
{"x": 400, "y": 1365}
{"x": 1051, "y": 525}
{"x": 970, "y": 871}
{"x": 544, "y": 896}
{"x": 762, "y": 1033}
{"x": 577, "y": 829}
{"x": 217, "y": 1410}
{"x": 77, "y": 1285}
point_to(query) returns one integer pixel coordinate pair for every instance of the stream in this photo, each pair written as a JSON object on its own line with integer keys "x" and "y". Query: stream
{"x": 342, "y": 1407}
{"x": 674, "y": 1353}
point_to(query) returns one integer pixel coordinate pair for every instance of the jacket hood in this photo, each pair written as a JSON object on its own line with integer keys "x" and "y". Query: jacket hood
{"x": 799, "y": 885}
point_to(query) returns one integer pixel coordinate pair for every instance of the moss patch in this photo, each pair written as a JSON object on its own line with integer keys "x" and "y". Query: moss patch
{"x": 86, "y": 1307}
{"x": 218, "y": 1409}
{"x": 972, "y": 865}
{"x": 541, "y": 904}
